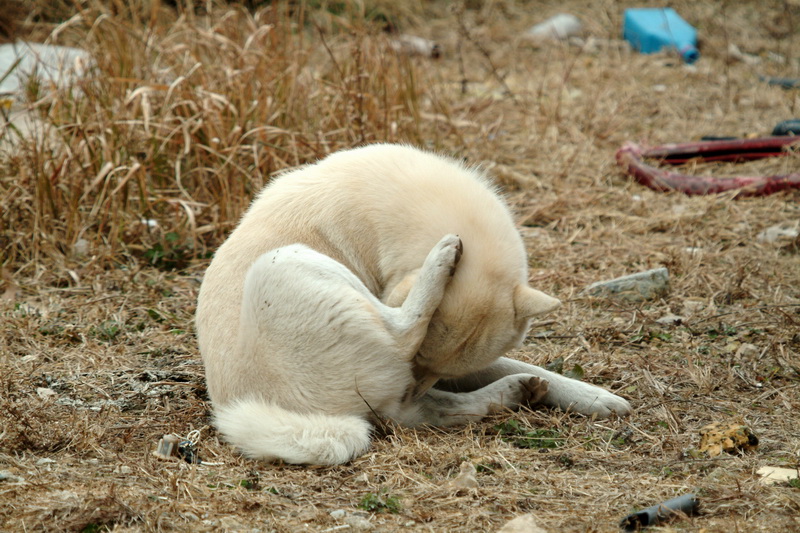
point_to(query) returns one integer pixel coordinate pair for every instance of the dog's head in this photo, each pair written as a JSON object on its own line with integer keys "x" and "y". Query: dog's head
{"x": 475, "y": 325}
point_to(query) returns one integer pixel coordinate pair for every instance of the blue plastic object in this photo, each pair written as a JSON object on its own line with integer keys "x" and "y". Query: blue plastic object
{"x": 651, "y": 29}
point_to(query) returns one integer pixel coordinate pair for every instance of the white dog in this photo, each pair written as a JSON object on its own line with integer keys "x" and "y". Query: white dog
{"x": 343, "y": 295}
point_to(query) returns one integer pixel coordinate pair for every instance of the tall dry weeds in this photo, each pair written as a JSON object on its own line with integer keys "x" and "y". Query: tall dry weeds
{"x": 183, "y": 117}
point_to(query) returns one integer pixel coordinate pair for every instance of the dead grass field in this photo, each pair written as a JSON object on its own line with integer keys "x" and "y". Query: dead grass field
{"x": 188, "y": 114}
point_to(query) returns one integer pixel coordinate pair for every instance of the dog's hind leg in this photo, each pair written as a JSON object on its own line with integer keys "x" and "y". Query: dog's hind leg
{"x": 564, "y": 393}
{"x": 443, "y": 408}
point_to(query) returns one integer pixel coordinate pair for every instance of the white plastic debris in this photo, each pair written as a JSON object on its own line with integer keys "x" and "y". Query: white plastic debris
{"x": 414, "y": 45}
{"x": 735, "y": 53}
{"x": 57, "y": 65}
{"x": 52, "y": 66}
{"x": 670, "y": 320}
{"x": 557, "y": 28}
{"x": 167, "y": 447}
{"x": 45, "y": 393}
{"x": 81, "y": 247}
{"x": 171, "y": 446}
{"x": 8, "y": 477}
{"x": 779, "y": 232}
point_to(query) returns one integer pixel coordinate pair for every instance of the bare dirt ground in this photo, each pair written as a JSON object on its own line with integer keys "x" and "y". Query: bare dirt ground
{"x": 98, "y": 358}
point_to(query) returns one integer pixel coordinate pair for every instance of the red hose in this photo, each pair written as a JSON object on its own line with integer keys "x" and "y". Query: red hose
{"x": 631, "y": 158}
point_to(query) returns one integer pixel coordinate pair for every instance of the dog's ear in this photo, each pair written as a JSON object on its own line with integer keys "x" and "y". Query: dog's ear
{"x": 399, "y": 293}
{"x": 529, "y": 302}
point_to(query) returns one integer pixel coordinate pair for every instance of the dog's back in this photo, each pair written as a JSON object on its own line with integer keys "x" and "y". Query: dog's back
{"x": 378, "y": 210}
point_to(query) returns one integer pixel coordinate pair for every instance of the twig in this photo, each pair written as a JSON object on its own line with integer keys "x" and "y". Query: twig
{"x": 464, "y": 32}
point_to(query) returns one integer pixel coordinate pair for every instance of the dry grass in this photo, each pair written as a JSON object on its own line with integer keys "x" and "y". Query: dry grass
{"x": 189, "y": 113}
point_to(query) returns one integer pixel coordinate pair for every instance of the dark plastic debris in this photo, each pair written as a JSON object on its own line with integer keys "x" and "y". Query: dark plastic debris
{"x": 783, "y": 83}
{"x": 187, "y": 450}
{"x": 173, "y": 446}
{"x": 787, "y": 127}
{"x": 680, "y": 506}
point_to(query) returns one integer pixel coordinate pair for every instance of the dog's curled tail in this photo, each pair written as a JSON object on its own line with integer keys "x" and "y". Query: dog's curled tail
{"x": 261, "y": 430}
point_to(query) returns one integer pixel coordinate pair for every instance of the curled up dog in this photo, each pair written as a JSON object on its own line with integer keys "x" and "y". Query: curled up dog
{"x": 382, "y": 281}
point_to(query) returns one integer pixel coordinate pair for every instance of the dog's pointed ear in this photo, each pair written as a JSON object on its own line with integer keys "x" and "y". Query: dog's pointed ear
{"x": 529, "y": 302}
{"x": 398, "y": 294}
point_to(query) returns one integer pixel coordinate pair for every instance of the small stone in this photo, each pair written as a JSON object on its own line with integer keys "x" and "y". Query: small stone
{"x": 231, "y": 523}
{"x": 358, "y": 523}
{"x": 731, "y": 347}
{"x": 338, "y": 514}
{"x": 747, "y": 350}
{"x": 522, "y": 524}
{"x": 465, "y": 480}
{"x": 693, "y": 305}
{"x": 633, "y": 288}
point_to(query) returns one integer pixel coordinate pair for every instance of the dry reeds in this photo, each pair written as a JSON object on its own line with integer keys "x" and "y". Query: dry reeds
{"x": 183, "y": 119}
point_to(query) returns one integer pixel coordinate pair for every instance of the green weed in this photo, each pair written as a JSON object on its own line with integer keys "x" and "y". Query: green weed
{"x": 513, "y": 432}
{"x": 382, "y": 502}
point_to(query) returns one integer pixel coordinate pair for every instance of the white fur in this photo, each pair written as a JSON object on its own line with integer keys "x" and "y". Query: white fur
{"x": 343, "y": 295}
{"x": 265, "y": 431}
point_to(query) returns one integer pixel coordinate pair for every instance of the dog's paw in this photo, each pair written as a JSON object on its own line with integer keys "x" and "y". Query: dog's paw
{"x": 449, "y": 251}
{"x": 533, "y": 391}
{"x": 599, "y": 402}
{"x": 516, "y": 391}
{"x": 609, "y": 403}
